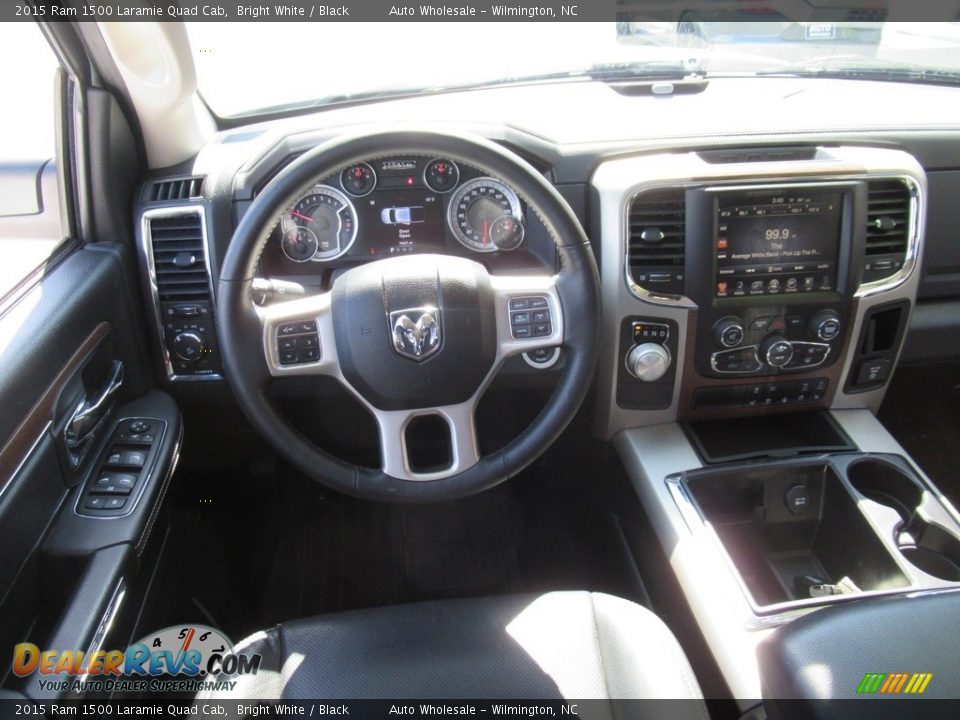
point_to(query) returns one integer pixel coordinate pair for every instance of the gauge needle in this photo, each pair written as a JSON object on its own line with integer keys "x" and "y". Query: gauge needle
{"x": 294, "y": 213}
{"x": 486, "y": 232}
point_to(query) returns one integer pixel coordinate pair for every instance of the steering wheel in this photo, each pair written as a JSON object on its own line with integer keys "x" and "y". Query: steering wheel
{"x": 411, "y": 336}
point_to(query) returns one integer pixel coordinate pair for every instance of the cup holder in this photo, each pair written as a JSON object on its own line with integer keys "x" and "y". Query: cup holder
{"x": 920, "y": 535}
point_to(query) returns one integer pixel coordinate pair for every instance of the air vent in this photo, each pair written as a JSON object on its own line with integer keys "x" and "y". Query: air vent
{"x": 178, "y": 258}
{"x": 888, "y": 228}
{"x": 758, "y": 154}
{"x": 187, "y": 188}
{"x": 656, "y": 240}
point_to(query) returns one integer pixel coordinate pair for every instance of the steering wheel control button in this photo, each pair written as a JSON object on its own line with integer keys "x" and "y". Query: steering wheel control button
{"x": 530, "y": 317}
{"x": 298, "y": 343}
{"x": 728, "y": 332}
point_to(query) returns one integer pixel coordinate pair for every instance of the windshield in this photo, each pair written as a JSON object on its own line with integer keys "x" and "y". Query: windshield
{"x": 250, "y": 68}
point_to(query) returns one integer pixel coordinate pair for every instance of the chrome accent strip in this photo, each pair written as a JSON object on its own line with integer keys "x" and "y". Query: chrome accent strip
{"x": 776, "y": 613}
{"x": 756, "y": 356}
{"x": 918, "y": 210}
{"x": 106, "y": 621}
{"x": 146, "y": 249}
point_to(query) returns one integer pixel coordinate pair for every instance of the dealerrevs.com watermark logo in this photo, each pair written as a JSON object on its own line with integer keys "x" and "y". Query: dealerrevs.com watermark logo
{"x": 180, "y": 658}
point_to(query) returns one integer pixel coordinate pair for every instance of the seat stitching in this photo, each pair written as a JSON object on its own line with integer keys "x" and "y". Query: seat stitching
{"x": 687, "y": 676}
{"x": 596, "y": 640}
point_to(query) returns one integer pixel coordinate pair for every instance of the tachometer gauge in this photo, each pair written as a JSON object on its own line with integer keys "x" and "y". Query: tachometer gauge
{"x": 328, "y": 216}
{"x": 299, "y": 243}
{"x": 358, "y": 180}
{"x": 476, "y": 210}
{"x": 441, "y": 175}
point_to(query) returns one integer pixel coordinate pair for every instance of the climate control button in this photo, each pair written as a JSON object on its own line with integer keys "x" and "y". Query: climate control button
{"x": 776, "y": 351}
{"x": 728, "y": 332}
{"x": 825, "y": 325}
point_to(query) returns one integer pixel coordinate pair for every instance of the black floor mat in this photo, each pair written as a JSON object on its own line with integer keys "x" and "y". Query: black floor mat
{"x": 251, "y": 550}
{"x": 338, "y": 553}
{"x": 922, "y": 411}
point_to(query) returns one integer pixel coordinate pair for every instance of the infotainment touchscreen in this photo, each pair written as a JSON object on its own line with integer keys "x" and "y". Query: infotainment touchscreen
{"x": 777, "y": 242}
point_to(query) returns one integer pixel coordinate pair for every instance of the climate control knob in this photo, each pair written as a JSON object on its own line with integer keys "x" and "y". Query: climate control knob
{"x": 648, "y": 362}
{"x": 728, "y": 332}
{"x": 188, "y": 346}
{"x": 825, "y": 325}
{"x": 776, "y": 351}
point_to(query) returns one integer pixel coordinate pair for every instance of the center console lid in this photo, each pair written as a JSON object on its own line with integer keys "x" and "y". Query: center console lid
{"x": 829, "y": 654}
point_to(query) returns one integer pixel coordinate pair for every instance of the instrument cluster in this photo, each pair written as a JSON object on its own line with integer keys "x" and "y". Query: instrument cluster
{"x": 398, "y": 206}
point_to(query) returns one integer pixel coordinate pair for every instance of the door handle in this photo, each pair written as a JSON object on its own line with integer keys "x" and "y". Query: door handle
{"x": 91, "y": 411}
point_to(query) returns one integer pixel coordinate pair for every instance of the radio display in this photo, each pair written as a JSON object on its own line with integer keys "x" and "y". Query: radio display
{"x": 777, "y": 242}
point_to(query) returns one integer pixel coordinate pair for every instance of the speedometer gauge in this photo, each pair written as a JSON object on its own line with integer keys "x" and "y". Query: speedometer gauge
{"x": 322, "y": 220}
{"x": 475, "y": 216}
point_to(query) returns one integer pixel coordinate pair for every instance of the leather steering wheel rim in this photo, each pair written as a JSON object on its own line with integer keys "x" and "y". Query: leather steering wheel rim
{"x": 240, "y": 329}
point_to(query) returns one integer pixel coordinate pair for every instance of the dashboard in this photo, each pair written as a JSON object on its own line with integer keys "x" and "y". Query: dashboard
{"x": 746, "y": 268}
{"x": 395, "y": 206}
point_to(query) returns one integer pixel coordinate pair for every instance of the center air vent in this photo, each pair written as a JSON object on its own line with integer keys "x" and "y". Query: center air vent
{"x": 178, "y": 258}
{"x": 888, "y": 228}
{"x": 655, "y": 246}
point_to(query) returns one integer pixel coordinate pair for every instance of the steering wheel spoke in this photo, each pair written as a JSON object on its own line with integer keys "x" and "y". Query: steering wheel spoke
{"x": 529, "y": 313}
{"x": 298, "y": 337}
{"x": 394, "y": 447}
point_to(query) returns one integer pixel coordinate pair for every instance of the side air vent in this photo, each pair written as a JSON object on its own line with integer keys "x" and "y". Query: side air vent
{"x": 178, "y": 258}
{"x": 888, "y": 228}
{"x": 187, "y": 188}
{"x": 655, "y": 246}
{"x": 174, "y": 247}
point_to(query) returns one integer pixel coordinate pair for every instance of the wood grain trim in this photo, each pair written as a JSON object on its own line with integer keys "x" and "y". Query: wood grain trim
{"x": 17, "y": 447}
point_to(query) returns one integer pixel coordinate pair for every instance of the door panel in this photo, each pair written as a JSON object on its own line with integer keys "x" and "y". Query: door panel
{"x": 58, "y": 343}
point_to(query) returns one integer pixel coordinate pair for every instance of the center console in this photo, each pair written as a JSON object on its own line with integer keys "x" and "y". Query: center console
{"x": 770, "y": 271}
{"x": 757, "y": 306}
{"x": 767, "y": 276}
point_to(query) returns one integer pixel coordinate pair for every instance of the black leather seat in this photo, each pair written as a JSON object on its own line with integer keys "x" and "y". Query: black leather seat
{"x": 561, "y": 645}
